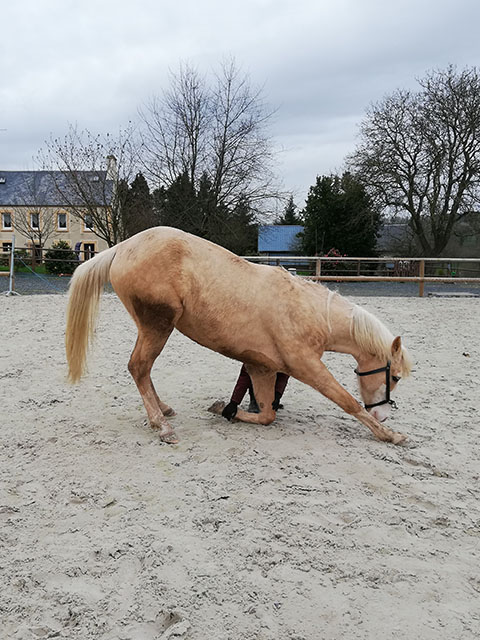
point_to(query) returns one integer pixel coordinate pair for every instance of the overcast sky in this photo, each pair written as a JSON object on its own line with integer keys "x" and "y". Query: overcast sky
{"x": 94, "y": 63}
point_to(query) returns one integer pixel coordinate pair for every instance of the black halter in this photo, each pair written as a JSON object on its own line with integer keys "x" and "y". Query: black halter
{"x": 387, "y": 385}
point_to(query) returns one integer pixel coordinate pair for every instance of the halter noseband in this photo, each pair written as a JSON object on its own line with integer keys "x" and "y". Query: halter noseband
{"x": 387, "y": 385}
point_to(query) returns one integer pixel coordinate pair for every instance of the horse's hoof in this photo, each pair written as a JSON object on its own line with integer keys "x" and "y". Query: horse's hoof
{"x": 169, "y": 438}
{"x": 398, "y": 438}
{"x": 169, "y": 413}
{"x": 217, "y": 407}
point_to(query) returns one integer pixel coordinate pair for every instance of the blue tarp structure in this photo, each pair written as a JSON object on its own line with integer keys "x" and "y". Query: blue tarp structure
{"x": 279, "y": 239}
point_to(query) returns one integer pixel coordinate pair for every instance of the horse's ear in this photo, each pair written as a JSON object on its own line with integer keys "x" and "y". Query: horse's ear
{"x": 397, "y": 346}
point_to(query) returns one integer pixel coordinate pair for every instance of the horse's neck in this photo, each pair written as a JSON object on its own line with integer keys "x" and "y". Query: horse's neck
{"x": 355, "y": 331}
{"x": 339, "y": 319}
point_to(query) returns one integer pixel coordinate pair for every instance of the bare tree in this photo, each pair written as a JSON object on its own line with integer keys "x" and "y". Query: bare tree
{"x": 175, "y": 129}
{"x": 420, "y": 153}
{"x": 218, "y": 133}
{"x": 87, "y": 170}
{"x": 241, "y": 152}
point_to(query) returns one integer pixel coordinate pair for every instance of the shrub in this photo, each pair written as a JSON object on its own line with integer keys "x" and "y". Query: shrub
{"x": 21, "y": 259}
{"x": 60, "y": 258}
{"x": 4, "y": 259}
{"x": 333, "y": 266}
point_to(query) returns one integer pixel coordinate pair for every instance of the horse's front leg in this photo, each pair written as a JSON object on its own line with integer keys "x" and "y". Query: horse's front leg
{"x": 320, "y": 378}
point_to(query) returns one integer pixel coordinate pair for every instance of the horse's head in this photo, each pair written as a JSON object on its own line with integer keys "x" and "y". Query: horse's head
{"x": 377, "y": 379}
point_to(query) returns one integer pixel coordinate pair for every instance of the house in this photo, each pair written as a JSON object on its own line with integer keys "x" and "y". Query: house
{"x": 398, "y": 239}
{"x": 279, "y": 239}
{"x": 41, "y": 208}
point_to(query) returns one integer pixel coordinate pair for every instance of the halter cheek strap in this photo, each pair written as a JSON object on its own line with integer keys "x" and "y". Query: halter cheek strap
{"x": 387, "y": 385}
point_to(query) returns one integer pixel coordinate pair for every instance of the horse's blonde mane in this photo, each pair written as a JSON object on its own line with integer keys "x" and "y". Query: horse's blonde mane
{"x": 372, "y": 336}
{"x": 330, "y": 296}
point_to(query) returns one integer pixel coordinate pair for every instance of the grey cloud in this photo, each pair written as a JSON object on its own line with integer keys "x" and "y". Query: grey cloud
{"x": 95, "y": 63}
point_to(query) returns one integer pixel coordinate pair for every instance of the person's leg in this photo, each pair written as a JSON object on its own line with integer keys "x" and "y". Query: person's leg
{"x": 243, "y": 383}
{"x": 280, "y": 384}
{"x": 263, "y": 386}
{"x": 252, "y": 406}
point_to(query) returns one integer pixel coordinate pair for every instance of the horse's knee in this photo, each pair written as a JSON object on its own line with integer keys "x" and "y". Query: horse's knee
{"x": 132, "y": 367}
{"x": 137, "y": 368}
{"x": 266, "y": 417}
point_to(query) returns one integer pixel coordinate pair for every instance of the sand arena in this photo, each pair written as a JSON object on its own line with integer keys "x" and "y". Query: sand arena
{"x": 308, "y": 528}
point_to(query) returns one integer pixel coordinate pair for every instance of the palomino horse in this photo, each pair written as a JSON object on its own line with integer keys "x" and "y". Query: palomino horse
{"x": 260, "y": 315}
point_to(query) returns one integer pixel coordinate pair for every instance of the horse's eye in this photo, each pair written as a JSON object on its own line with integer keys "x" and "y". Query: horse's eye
{"x": 396, "y": 378}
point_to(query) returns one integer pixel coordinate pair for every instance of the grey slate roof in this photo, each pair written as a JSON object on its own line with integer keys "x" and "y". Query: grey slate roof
{"x": 54, "y": 188}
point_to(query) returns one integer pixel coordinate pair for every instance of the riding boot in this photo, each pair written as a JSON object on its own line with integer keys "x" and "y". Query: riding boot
{"x": 253, "y": 406}
{"x": 230, "y": 411}
{"x": 276, "y": 405}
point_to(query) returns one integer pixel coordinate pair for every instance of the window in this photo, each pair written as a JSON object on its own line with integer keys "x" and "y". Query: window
{"x": 62, "y": 221}
{"x": 88, "y": 222}
{"x": 88, "y": 250}
{"x": 35, "y": 220}
{"x": 7, "y": 221}
{"x": 6, "y": 247}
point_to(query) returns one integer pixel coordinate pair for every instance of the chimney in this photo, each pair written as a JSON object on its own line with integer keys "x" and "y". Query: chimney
{"x": 111, "y": 168}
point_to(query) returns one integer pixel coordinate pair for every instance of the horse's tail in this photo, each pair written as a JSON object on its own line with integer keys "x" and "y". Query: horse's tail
{"x": 84, "y": 297}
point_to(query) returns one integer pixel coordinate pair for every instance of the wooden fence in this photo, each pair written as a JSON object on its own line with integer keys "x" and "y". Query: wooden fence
{"x": 348, "y": 269}
{"x": 380, "y": 269}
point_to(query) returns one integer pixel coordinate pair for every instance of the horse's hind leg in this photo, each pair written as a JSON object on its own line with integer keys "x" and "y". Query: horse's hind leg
{"x": 263, "y": 381}
{"x": 147, "y": 348}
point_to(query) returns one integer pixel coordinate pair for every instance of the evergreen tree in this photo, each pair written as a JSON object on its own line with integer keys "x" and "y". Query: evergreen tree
{"x": 197, "y": 212}
{"x": 137, "y": 209}
{"x": 208, "y": 214}
{"x": 60, "y": 258}
{"x": 289, "y": 215}
{"x": 241, "y": 230}
{"x": 340, "y": 214}
{"x": 176, "y": 205}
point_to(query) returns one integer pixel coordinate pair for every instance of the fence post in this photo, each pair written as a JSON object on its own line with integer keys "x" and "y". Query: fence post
{"x": 11, "y": 280}
{"x": 421, "y": 284}
{"x": 318, "y": 267}
{"x": 11, "y": 286}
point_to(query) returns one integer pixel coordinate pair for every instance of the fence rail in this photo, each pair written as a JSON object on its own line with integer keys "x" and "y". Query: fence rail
{"x": 387, "y": 269}
{"x": 315, "y": 268}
